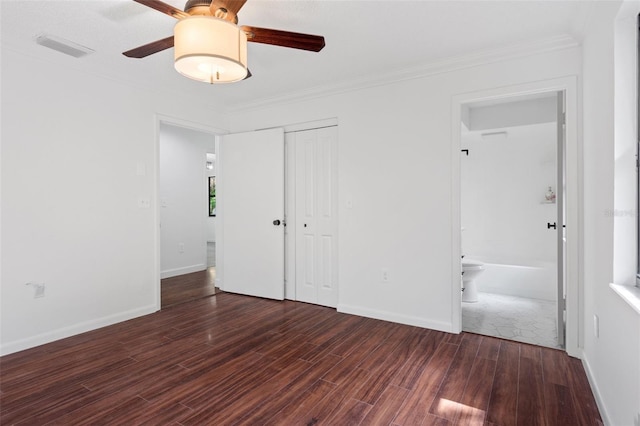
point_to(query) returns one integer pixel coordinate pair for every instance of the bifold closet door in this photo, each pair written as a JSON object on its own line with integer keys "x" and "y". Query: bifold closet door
{"x": 316, "y": 216}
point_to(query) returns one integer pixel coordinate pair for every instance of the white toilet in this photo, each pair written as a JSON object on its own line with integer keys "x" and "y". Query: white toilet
{"x": 470, "y": 270}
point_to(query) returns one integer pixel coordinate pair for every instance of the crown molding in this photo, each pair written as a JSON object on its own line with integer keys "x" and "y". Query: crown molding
{"x": 453, "y": 63}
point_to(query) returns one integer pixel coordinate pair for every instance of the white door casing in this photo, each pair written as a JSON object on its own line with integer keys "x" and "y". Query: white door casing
{"x": 250, "y": 203}
{"x": 572, "y": 203}
{"x": 560, "y": 222}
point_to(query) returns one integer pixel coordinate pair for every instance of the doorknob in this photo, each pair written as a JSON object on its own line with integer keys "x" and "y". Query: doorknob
{"x": 276, "y": 222}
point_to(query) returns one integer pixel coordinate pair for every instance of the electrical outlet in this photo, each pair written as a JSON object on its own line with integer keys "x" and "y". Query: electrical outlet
{"x": 596, "y": 325}
{"x": 384, "y": 275}
{"x": 39, "y": 290}
{"x": 180, "y": 247}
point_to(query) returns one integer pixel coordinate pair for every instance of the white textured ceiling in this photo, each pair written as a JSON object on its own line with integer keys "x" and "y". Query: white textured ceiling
{"x": 363, "y": 39}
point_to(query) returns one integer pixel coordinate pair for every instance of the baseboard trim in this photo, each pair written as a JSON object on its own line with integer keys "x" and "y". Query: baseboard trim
{"x": 394, "y": 317}
{"x": 61, "y": 333}
{"x": 596, "y": 391}
{"x": 181, "y": 271}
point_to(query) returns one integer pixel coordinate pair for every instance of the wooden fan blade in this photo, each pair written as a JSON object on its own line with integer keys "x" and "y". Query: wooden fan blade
{"x": 164, "y": 8}
{"x": 310, "y": 42}
{"x": 227, "y": 9}
{"x": 150, "y": 48}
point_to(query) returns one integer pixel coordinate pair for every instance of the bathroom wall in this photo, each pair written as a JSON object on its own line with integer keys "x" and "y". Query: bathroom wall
{"x": 504, "y": 213}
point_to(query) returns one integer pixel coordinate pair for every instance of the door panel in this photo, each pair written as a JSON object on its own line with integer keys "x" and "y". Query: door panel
{"x": 250, "y": 198}
{"x": 316, "y": 216}
{"x": 305, "y": 146}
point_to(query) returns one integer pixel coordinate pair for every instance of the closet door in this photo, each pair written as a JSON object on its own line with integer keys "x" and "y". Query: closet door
{"x": 316, "y": 216}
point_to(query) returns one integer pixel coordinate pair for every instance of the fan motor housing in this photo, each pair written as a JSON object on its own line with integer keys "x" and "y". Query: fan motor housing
{"x": 198, "y": 7}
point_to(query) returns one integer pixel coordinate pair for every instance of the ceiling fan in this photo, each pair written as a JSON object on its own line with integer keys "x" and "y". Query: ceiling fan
{"x": 210, "y": 46}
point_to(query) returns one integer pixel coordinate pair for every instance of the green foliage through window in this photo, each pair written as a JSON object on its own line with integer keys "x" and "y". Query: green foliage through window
{"x": 212, "y": 195}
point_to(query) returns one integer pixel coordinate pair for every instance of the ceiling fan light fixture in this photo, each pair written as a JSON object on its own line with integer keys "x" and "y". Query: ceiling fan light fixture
{"x": 210, "y": 49}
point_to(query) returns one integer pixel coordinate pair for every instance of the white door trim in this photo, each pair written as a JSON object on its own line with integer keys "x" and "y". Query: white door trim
{"x": 573, "y": 164}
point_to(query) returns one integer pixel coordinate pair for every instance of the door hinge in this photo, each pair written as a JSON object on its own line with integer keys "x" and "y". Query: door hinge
{"x": 564, "y": 304}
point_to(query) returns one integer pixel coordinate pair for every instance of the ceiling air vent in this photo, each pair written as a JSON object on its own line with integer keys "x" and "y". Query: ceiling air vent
{"x": 63, "y": 46}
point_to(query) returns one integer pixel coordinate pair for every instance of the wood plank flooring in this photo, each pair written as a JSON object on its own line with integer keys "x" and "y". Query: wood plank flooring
{"x": 236, "y": 360}
{"x": 187, "y": 287}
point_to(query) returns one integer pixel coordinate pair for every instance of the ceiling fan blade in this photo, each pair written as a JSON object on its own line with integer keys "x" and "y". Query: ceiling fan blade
{"x": 310, "y": 42}
{"x": 164, "y": 8}
{"x": 248, "y": 74}
{"x": 150, "y": 48}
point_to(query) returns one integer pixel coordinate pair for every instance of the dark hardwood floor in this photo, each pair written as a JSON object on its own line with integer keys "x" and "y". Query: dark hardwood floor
{"x": 187, "y": 287}
{"x": 230, "y": 359}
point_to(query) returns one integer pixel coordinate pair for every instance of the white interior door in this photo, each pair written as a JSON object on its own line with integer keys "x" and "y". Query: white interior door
{"x": 316, "y": 222}
{"x": 250, "y": 213}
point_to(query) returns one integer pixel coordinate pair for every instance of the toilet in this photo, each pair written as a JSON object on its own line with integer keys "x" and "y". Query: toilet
{"x": 470, "y": 271}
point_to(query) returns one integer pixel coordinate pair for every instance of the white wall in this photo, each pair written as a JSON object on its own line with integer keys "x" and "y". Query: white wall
{"x": 184, "y": 212}
{"x": 394, "y": 159}
{"x": 518, "y": 112}
{"x": 504, "y": 213}
{"x": 503, "y": 184}
{"x": 613, "y": 358}
{"x": 78, "y": 155}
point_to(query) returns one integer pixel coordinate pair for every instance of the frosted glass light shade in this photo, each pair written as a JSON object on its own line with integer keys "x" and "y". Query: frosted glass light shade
{"x": 210, "y": 49}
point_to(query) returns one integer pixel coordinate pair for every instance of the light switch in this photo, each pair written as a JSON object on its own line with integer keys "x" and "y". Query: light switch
{"x": 144, "y": 203}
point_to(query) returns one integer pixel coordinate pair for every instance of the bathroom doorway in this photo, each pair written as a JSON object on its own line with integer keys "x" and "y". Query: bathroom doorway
{"x": 512, "y": 191}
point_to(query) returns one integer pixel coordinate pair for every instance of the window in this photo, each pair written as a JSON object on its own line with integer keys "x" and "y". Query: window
{"x": 212, "y": 196}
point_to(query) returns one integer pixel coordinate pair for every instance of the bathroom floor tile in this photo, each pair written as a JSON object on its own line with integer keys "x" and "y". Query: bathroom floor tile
{"x": 510, "y": 317}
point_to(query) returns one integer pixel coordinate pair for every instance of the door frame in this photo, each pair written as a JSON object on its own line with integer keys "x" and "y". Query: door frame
{"x": 178, "y": 122}
{"x": 573, "y": 200}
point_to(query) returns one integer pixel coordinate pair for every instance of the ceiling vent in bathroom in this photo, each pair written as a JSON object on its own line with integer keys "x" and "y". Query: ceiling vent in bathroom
{"x": 494, "y": 136}
{"x": 63, "y": 46}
